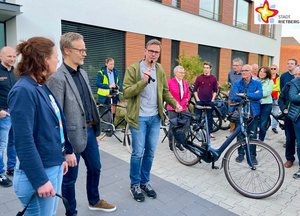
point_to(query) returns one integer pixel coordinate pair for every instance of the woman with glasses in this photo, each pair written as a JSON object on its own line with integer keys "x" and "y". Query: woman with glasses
{"x": 264, "y": 74}
{"x": 275, "y": 96}
{"x": 179, "y": 89}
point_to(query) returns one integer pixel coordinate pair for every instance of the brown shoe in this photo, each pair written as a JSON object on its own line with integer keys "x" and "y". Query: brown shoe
{"x": 102, "y": 205}
{"x": 288, "y": 164}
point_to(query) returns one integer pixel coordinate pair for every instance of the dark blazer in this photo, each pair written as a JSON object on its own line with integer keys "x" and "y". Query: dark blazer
{"x": 64, "y": 88}
{"x": 36, "y": 130}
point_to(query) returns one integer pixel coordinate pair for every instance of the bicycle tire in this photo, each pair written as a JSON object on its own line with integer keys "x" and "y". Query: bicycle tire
{"x": 186, "y": 157}
{"x": 127, "y": 141}
{"x": 259, "y": 183}
{"x": 225, "y": 125}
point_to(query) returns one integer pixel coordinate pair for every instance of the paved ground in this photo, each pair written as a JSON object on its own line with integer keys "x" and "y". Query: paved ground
{"x": 182, "y": 190}
{"x": 212, "y": 184}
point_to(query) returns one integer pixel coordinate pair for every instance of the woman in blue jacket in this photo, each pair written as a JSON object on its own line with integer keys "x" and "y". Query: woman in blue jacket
{"x": 39, "y": 127}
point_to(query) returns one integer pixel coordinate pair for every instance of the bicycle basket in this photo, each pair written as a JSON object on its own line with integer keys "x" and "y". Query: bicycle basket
{"x": 180, "y": 128}
{"x": 234, "y": 116}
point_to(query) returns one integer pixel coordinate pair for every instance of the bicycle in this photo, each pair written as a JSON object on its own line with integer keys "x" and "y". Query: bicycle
{"x": 221, "y": 103}
{"x": 107, "y": 126}
{"x": 279, "y": 118}
{"x": 253, "y": 181}
{"x": 165, "y": 122}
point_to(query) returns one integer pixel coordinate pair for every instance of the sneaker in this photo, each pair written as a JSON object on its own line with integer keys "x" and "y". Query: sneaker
{"x": 147, "y": 188}
{"x": 297, "y": 175}
{"x": 254, "y": 161}
{"x": 136, "y": 193}
{"x": 10, "y": 172}
{"x": 239, "y": 158}
{"x": 4, "y": 181}
{"x": 275, "y": 130}
{"x": 102, "y": 205}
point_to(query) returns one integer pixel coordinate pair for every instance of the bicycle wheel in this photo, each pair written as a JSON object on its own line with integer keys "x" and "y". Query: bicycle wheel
{"x": 127, "y": 141}
{"x": 257, "y": 183}
{"x": 184, "y": 155}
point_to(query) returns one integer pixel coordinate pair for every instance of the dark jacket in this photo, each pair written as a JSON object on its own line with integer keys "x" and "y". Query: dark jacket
{"x": 36, "y": 130}
{"x": 7, "y": 80}
{"x": 294, "y": 107}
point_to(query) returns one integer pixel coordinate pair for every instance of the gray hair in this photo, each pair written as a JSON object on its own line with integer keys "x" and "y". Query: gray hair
{"x": 67, "y": 39}
{"x": 177, "y": 68}
{"x": 153, "y": 42}
{"x": 296, "y": 68}
{"x": 240, "y": 61}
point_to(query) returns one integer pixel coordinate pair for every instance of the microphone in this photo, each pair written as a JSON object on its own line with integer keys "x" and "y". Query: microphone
{"x": 150, "y": 78}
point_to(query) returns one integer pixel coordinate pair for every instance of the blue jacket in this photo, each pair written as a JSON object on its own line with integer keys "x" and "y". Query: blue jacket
{"x": 254, "y": 92}
{"x": 101, "y": 85}
{"x": 36, "y": 130}
{"x": 294, "y": 97}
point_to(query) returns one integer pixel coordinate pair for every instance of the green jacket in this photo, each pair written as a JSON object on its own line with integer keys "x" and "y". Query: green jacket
{"x": 133, "y": 85}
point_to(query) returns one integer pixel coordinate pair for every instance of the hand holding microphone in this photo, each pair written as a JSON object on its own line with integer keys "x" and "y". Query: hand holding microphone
{"x": 148, "y": 74}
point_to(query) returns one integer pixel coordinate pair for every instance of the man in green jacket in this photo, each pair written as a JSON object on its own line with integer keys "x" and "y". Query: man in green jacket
{"x": 145, "y": 87}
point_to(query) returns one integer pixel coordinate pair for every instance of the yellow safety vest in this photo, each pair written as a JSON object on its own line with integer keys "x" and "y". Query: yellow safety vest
{"x": 101, "y": 91}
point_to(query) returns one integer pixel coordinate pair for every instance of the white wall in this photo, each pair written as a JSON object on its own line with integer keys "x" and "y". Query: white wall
{"x": 43, "y": 18}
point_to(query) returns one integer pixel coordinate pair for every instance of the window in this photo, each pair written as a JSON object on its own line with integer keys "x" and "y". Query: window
{"x": 261, "y": 29}
{"x": 212, "y": 55}
{"x": 239, "y": 54}
{"x": 241, "y": 14}
{"x": 210, "y": 9}
{"x": 174, "y": 55}
{"x": 176, "y": 3}
{"x": 271, "y": 30}
{"x": 100, "y": 43}
{"x": 2, "y": 35}
{"x": 157, "y": 0}
{"x": 260, "y": 60}
{"x": 270, "y": 60}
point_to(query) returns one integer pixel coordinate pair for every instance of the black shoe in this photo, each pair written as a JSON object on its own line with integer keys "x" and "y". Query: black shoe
{"x": 136, "y": 193}
{"x": 10, "y": 172}
{"x": 239, "y": 158}
{"x": 275, "y": 130}
{"x": 4, "y": 181}
{"x": 171, "y": 146}
{"x": 149, "y": 190}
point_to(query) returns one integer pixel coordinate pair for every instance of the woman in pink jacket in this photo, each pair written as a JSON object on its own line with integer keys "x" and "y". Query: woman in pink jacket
{"x": 179, "y": 88}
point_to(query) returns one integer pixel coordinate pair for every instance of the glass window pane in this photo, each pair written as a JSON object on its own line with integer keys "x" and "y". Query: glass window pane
{"x": 212, "y": 55}
{"x": 2, "y": 35}
{"x": 209, "y": 9}
{"x": 241, "y": 14}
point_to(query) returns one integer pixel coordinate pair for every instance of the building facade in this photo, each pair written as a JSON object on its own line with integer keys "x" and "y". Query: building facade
{"x": 216, "y": 30}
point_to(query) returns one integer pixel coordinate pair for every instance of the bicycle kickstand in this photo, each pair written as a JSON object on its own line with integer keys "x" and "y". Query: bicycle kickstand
{"x": 213, "y": 165}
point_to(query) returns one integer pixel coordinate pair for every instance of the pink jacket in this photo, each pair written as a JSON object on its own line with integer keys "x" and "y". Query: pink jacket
{"x": 175, "y": 92}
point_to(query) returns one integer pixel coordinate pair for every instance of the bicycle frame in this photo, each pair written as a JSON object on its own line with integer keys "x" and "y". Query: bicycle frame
{"x": 209, "y": 154}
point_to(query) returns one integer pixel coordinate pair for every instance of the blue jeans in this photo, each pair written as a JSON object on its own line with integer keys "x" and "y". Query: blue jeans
{"x": 24, "y": 190}
{"x": 144, "y": 142}
{"x": 252, "y": 132}
{"x": 290, "y": 139}
{"x": 265, "y": 111}
{"x": 92, "y": 162}
{"x": 297, "y": 132}
{"x": 11, "y": 151}
{"x": 5, "y": 125}
{"x": 275, "y": 110}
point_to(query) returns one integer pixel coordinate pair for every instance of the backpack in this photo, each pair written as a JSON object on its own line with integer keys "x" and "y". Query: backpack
{"x": 283, "y": 100}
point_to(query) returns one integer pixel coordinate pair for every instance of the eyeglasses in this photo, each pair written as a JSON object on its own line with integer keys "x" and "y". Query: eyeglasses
{"x": 81, "y": 51}
{"x": 236, "y": 65}
{"x": 153, "y": 52}
{"x": 245, "y": 70}
{"x": 206, "y": 67}
{"x": 273, "y": 68}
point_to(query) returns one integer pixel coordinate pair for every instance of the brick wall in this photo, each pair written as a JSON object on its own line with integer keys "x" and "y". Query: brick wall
{"x": 167, "y": 2}
{"x": 226, "y": 11}
{"x": 191, "y": 6}
{"x": 166, "y": 55}
{"x": 253, "y": 58}
{"x": 225, "y": 65}
{"x": 286, "y": 53}
{"x": 253, "y": 27}
{"x": 134, "y": 48}
{"x": 189, "y": 49}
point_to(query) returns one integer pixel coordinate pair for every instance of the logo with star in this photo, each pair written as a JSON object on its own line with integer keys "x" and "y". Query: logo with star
{"x": 266, "y": 12}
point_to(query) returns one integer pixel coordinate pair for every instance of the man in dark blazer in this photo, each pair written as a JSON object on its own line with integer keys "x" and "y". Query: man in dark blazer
{"x": 71, "y": 87}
